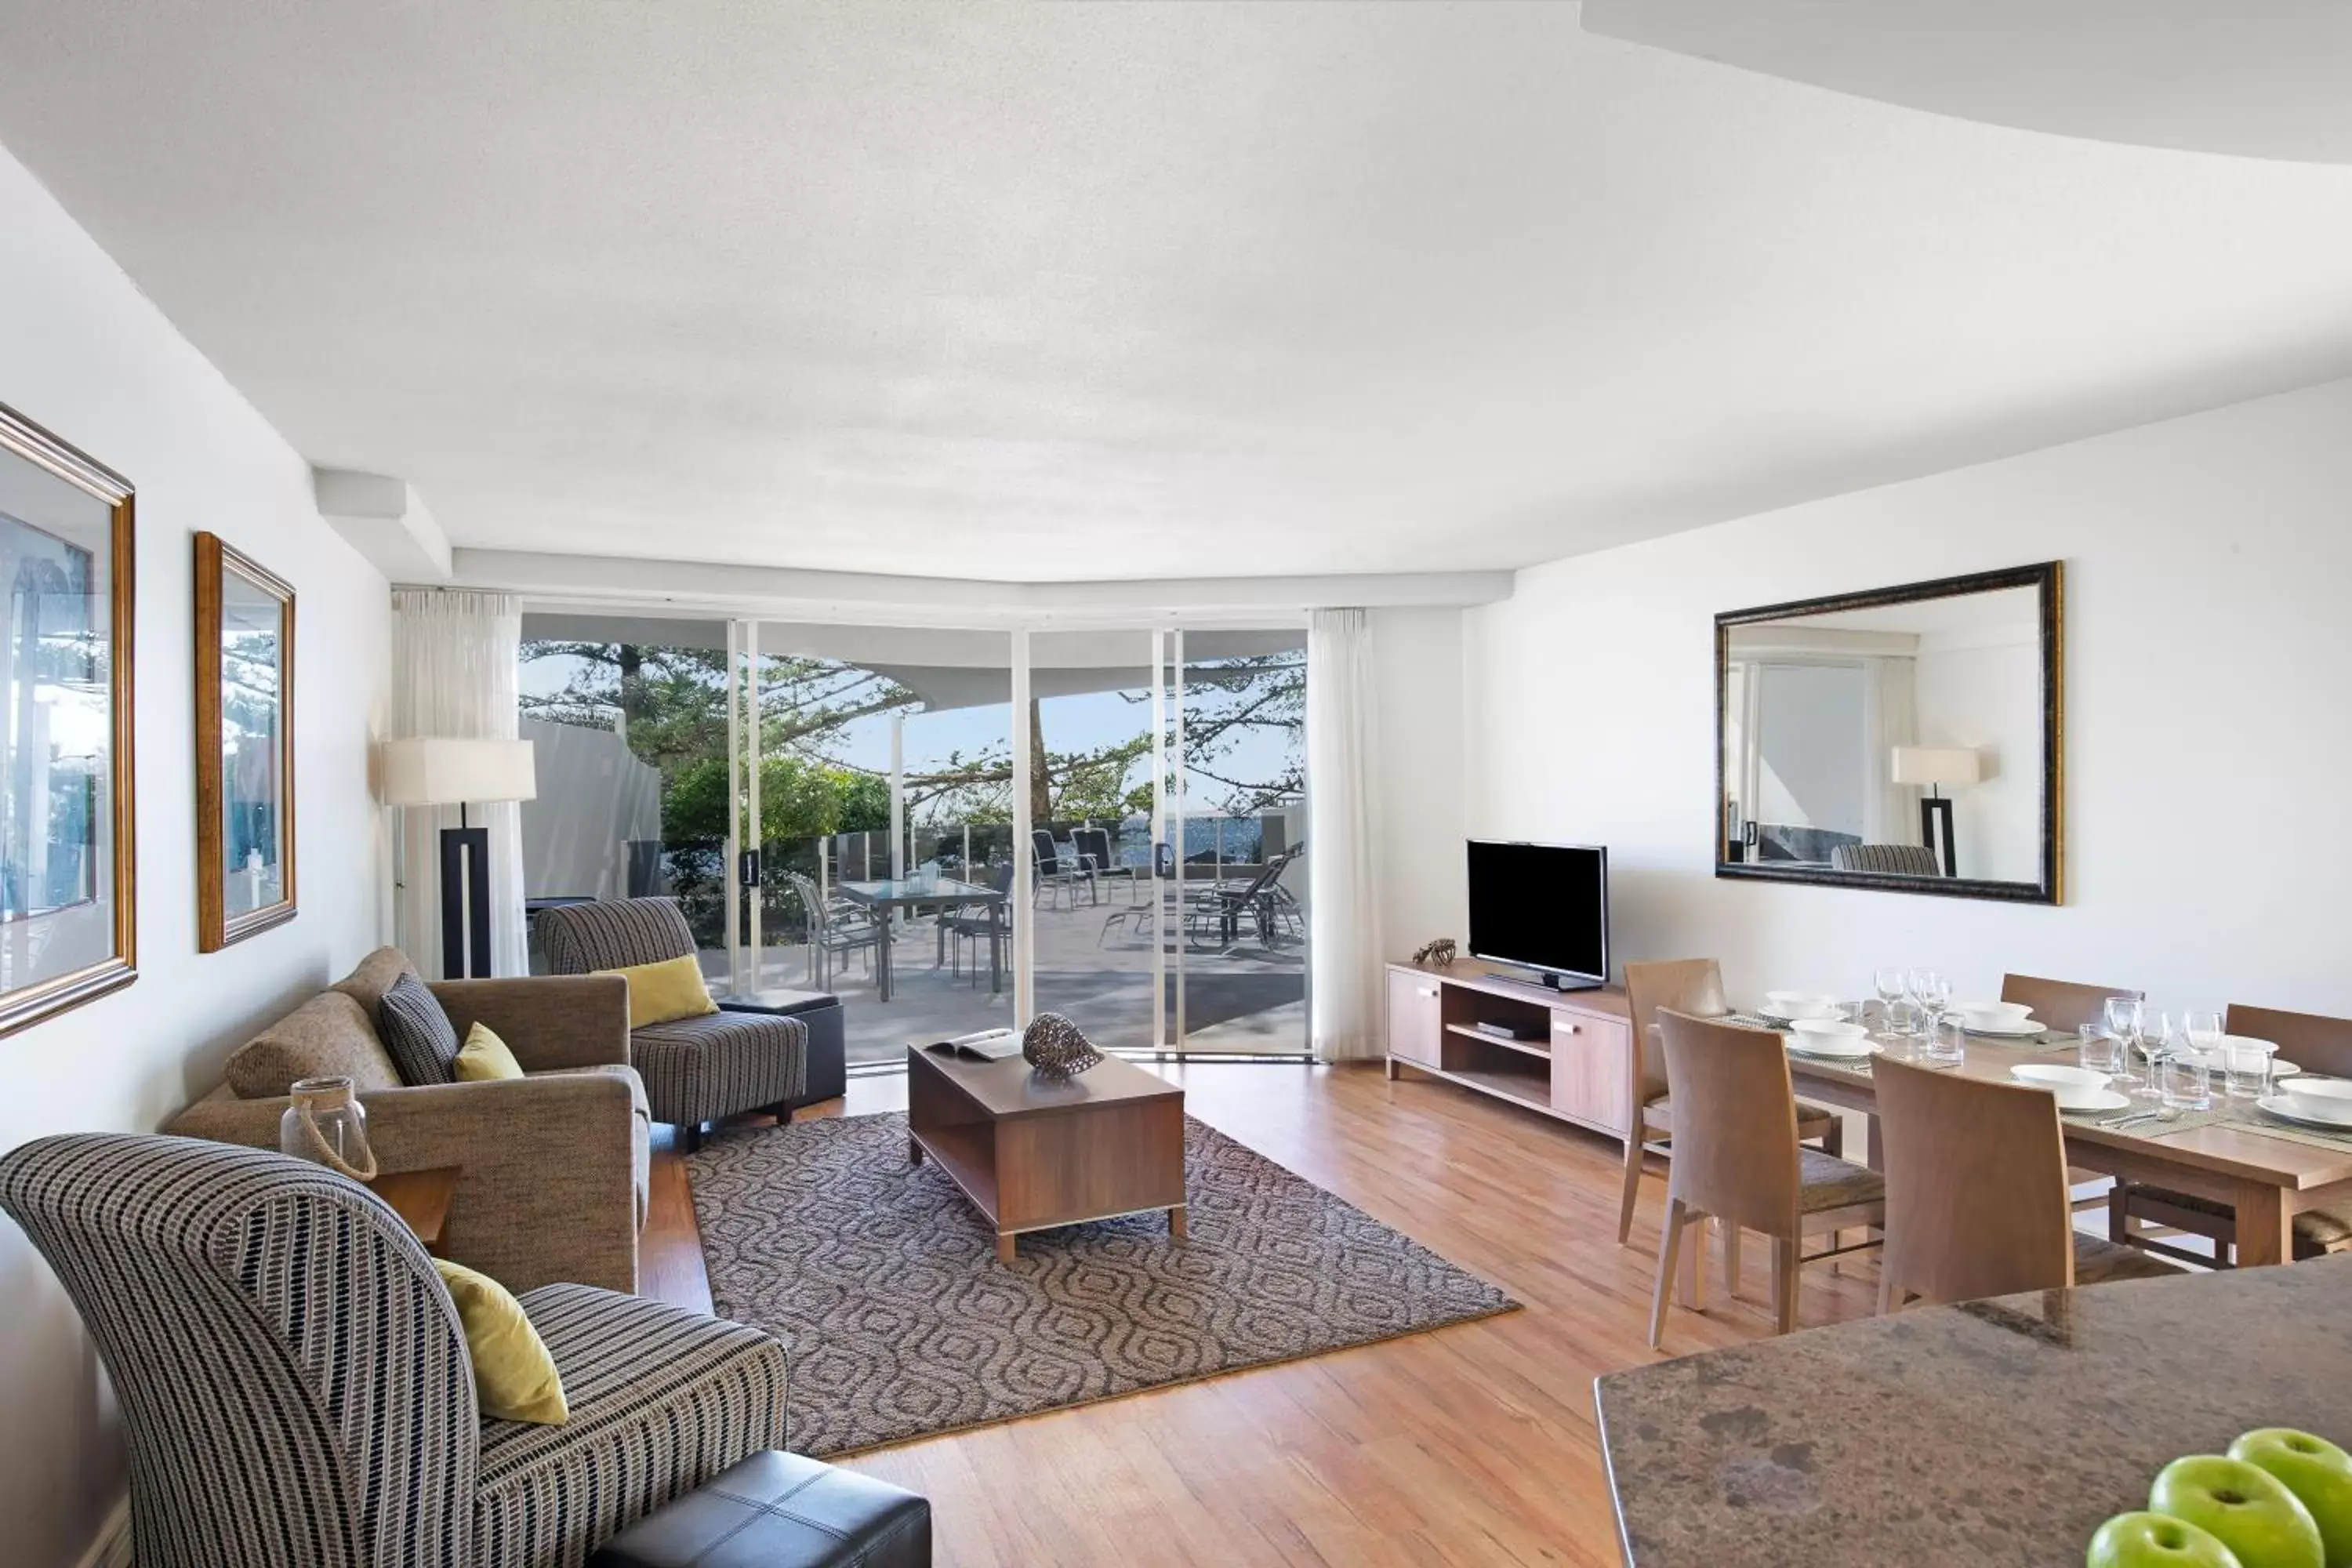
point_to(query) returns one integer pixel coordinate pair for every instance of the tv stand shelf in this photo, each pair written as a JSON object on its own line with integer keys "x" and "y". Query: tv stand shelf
{"x": 1578, "y": 1069}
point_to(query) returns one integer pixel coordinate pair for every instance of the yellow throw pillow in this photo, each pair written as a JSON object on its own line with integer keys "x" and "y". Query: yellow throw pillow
{"x": 659, "y": 993}
{"x": 514, "y": 1377}
{"x": 484, "y": 1056}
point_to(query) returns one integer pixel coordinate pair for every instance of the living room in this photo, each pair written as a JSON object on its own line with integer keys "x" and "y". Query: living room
{"x": 1370, "y": 604}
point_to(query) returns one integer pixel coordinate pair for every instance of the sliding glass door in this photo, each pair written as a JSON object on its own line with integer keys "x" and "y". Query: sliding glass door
{"x": 950, "y": 829}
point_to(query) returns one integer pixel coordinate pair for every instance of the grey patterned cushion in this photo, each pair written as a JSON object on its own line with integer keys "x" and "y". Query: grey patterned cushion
{"x": 2100, "y": 1262}
{"x": 418, "y": 1032}
{"x": 662, "y": 1400}
{"x": 721, "y": 1064}
{"x": 617, "y": 933}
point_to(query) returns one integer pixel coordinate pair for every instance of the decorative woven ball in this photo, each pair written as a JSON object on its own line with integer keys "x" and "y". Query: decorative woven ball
{"x": 1057, "y": 1047}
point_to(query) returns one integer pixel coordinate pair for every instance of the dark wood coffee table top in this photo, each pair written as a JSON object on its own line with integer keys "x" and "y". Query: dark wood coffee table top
{"x": 1009, "y": 1090}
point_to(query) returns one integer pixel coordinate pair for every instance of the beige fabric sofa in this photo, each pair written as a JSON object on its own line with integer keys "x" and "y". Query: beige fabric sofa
{"x": 554, "y": 1164}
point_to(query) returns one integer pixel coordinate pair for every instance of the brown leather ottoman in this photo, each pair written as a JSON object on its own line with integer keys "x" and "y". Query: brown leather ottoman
{"x": 781, "y": 1510}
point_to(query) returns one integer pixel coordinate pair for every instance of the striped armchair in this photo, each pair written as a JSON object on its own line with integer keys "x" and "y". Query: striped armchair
{"x": 696, "y": 1071}
{"x": 294, "y": 1386}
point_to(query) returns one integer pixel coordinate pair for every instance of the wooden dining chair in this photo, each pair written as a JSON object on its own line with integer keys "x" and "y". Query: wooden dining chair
{"x": 2061, "y": 1004}
{"x": 1692, "y": 986}
{"x": 1977, "y": 1192}
{"x": 1736, "y": 1158}
{"x": 2312, "y": 1042}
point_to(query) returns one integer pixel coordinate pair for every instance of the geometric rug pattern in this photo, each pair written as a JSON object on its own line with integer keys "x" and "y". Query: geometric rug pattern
{"x": 884, "y": 1281}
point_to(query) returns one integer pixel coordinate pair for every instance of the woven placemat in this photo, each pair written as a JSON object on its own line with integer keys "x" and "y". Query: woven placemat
{"x": 2225, "y": 1114}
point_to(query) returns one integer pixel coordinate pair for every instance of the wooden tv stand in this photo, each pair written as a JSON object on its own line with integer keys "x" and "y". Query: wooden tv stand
{"x": 1575, "y": 1066}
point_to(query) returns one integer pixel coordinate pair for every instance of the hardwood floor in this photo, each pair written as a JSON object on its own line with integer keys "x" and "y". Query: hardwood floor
{"x": 1471, "y": 1445}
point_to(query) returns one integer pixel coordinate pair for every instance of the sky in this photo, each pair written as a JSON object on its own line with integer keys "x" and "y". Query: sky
{"x": 1075, "y": 723}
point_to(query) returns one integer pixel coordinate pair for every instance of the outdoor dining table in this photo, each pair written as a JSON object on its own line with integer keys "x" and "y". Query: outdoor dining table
{"x": 908, "y": 893}
{"x": 2267, "y": 1173}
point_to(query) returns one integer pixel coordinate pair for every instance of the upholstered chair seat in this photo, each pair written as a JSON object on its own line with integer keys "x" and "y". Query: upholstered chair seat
{"x": 696, "y": 1071}
{"x": 295, "y": 1382}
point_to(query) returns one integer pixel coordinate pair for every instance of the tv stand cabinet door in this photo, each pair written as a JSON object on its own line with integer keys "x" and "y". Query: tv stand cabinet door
{"x": 1416, "y": 1011}
{"x": 1588, "y": 1068}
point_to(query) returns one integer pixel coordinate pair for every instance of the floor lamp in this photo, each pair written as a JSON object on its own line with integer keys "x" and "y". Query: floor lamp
{"x": 1936, "y": 766}
{"x": 440, "y": 770}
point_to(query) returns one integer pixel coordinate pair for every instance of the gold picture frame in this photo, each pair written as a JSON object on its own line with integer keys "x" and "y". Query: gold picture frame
{"x": 245, "y": 746}
{"x": 68, "y": 870}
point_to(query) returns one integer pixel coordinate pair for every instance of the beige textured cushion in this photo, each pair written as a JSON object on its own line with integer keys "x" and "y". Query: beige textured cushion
{"x": 368, "y": 982}
{"x": 327, "y": 1035}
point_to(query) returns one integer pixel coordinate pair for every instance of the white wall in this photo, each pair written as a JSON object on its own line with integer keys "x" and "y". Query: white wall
{"x": 1418, "y": 739}
{"x": 85, "y": 355}
{"x": 2208, "y": 642}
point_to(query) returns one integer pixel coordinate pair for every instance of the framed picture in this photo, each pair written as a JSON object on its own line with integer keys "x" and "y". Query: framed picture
{"x": 69, "y": 905}
{"x": 245, "y": 746}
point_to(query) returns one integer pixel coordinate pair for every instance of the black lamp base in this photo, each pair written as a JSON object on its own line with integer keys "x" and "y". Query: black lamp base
{"x": 1932, "y": 808}
{"x": 465, "y": 902}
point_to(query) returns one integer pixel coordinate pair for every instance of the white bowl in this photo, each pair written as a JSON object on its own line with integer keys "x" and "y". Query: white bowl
{"x": 2077, "y": 1088}
{"x": 1828, "y": 1029}
{"x": 1994, "y": 1015}
{"x": 2336, "y": 1090}
{"x": 2335, "y": 1109}
{"x": 1795, "y": 1005}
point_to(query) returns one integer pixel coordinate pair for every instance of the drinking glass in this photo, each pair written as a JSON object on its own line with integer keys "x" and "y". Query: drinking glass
{"x": 2249, "y": 1067}
{"x": 2123, "y": 1017}
{"x": 1944, "y": 1043}
{"x": 2186, "y": 1080}
{"x": 2102, "y": 1052}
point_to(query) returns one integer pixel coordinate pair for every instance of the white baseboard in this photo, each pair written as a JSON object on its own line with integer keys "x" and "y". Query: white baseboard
{"x": 112, "y": 1547}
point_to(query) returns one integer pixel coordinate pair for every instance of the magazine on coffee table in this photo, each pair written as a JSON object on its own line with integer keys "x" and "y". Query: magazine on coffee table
{"x": 987, "y": 1045}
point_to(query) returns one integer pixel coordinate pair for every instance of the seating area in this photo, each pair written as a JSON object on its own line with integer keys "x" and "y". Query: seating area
{"x": 1038, "y": 786}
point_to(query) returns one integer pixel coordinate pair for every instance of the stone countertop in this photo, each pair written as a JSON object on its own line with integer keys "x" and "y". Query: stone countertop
{"x": 2001, "y": 1431}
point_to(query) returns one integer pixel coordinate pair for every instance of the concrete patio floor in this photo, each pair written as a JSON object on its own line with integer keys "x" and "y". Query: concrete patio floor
{"x": 1091, "y": 967}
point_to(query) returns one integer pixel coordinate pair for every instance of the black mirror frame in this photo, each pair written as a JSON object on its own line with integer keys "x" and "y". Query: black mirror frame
{"x": 2048, "y": 578}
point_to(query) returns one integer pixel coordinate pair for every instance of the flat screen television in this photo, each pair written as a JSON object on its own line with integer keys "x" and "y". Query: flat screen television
{"x": 1543, "y": 907}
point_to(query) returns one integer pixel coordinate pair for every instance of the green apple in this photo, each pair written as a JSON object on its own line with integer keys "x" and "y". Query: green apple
{"x": 2155, "y": 1540}
{"x": 2245, "y": 1507}
{"x": 2313, "y": 1470}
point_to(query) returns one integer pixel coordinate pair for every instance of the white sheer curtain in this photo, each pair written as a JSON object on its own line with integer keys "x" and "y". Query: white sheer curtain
{"x": 1890, "y": 718}
{"x": 456, "y": 658}
{"x": 1343, "y": 877}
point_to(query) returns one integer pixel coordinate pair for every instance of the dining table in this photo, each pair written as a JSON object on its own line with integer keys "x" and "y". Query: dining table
{"x": 2000, "y": 1431}
{"x": 928, "y": 893}
{"x": 2234, "y": 1153}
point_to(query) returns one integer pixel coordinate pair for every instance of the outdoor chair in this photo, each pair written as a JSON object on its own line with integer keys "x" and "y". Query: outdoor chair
{"x": 1057, "y": 872}
{"x": 979, "y": 923}
{"x": 836, "y": 927}
{"x": 1094, "y": 851}
{"x": 1224, "y": 904}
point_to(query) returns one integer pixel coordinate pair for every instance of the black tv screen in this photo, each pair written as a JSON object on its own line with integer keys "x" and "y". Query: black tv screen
{"x": 1542, "y": 906}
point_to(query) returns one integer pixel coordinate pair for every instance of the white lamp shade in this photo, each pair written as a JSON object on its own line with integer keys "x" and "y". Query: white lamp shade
{"x": 441, "y": 770}
{"x": 1935, "y": 766}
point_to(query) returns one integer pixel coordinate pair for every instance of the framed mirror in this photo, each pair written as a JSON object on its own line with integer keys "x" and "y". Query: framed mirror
{"x": 69, "y": 909}
{"x": 1910, "y": 739}
{"x": 245, "y": 746}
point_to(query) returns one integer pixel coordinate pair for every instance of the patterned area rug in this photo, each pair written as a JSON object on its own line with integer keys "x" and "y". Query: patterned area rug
{"x": 884, "y": 1281}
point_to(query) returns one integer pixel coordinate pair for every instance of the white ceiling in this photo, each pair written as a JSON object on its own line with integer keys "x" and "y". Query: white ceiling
{"x": 1103, "y": 291}
{"x": 2264, "y": 79}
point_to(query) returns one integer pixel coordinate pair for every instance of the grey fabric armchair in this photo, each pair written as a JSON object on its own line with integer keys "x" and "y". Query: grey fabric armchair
{"x": 696, "y": 1071}
{"x": 295, "y": 1384}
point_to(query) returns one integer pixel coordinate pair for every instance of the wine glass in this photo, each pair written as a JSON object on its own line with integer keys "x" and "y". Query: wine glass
{"x": 1890, "y": 982}
{"x": 1931, "y": 990}
{"x": 2150, "y": 1044}
{"x": 2204, "y": 1031}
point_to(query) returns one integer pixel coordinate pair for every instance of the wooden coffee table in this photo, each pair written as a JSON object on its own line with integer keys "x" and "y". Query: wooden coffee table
{"x": 1032, "y": 1153}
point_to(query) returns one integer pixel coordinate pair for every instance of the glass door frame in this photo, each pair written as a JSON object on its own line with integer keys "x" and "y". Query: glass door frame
{"x": 1166, "y": 826}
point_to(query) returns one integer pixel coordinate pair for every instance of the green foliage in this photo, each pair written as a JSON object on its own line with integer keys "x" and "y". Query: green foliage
{"x": 798, "y": 799}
